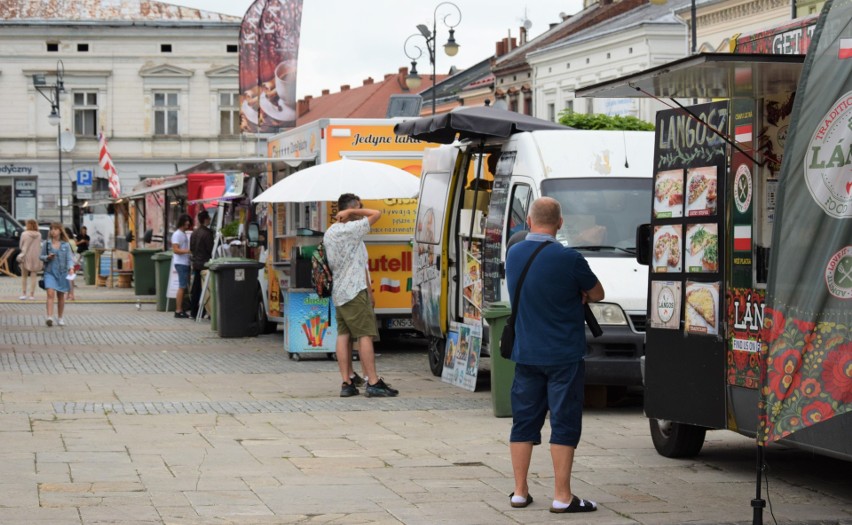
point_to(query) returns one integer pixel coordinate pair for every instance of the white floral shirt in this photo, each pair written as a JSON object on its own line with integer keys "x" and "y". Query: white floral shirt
{"x": 347, "y": 257}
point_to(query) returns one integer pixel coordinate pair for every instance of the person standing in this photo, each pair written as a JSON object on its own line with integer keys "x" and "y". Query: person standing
{"x": 347, "y": 258}
{"x": 58, "y": 267}
{"x": 82, "y": 240}
{"x": 201, "y": 248}
{"x": 180, "y": 259}
{"x": 550, "y": 345}
{"x": 28, "y": 260}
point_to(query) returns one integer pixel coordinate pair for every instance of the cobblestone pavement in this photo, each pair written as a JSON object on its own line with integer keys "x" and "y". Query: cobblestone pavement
{"x": 134, "y": 417}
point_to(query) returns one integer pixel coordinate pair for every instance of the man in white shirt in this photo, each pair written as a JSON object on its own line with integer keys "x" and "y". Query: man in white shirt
{"x": 180, "y": 248}
{"x": 351, "y": 294}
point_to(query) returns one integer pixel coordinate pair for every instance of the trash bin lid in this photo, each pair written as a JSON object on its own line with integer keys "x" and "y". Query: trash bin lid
{"x": 232, "y": 262}
{"x": 160, "y": 256}
{"x": 497, "y": 309}
{"x": 143, "y": 251}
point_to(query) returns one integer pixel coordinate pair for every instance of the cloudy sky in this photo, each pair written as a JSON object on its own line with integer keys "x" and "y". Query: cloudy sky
{"x": 346, "y": 41}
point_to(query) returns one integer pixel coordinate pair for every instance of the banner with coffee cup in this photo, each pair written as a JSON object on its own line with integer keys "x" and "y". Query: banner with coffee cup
{"x": 269, "y": 54}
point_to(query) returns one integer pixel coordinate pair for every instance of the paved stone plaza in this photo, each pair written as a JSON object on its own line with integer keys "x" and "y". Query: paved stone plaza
{"x": 131, "y": 416}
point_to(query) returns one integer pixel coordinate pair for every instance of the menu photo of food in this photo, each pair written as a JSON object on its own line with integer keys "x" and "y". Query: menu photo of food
{"x": 701, "y": 191}
{"x": 668, "y": 194}
{"x": 702, "y": 248}
{"x": 667, "y": 249}
{"x": 665, "y": 304}
{"x": 702, "y": 308}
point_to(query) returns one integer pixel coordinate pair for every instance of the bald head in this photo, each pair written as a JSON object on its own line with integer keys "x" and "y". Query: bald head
{"x": 545, "y": 215}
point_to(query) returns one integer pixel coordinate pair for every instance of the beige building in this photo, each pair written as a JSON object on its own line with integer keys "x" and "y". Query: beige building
{"x": 159, "y": 80}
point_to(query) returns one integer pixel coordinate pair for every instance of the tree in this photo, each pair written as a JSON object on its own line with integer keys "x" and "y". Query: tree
{"x": 618, "y": 122}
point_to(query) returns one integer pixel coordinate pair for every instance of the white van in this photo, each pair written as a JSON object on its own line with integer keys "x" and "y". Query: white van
{"x": 474, "y": 196}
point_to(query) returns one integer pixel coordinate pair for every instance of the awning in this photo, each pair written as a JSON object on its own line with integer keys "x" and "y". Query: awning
{"x": 247, "y": 165}
{"x": 707, "y": 76}
{"x": 173, "y": 182}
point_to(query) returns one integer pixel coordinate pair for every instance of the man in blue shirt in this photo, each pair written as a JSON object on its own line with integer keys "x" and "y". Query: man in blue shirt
{"x": 550, "y": 345}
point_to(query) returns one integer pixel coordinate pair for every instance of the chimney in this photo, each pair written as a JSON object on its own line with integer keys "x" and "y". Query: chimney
{"x": 368, "y": 81}
{"x": 514, "y": 42}
{"x": 344, "y": 87}
{"x": 501, "y": 48}
{"x": 303, "y": 106}
{"x": 325, "y": 92}
{"x": 523, "y": 33}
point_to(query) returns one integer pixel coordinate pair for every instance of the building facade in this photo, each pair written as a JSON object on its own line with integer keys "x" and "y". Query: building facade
{"x": 160, "y": 81}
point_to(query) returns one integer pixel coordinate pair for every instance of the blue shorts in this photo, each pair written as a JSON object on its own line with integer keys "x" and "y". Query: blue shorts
{"x": 183, "y": 275}
{"x": 536, "y": 390}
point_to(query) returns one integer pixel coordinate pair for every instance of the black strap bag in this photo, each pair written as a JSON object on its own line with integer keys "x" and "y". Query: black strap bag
{"x": 507, "y": 340}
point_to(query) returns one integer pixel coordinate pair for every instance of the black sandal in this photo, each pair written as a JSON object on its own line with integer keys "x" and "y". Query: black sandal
{"x": 577, "y": 505}
{"x": 521, "y": 504}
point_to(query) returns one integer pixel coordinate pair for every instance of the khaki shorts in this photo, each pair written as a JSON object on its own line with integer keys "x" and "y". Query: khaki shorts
{"x": 356, "y": 318}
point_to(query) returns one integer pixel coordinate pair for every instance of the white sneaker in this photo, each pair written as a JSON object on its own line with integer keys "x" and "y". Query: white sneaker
{"x": 48, "y": 321}
{"x": 22, "y": 298}
{"x": 32, "y": 298}
{"x": 61, "y": 322}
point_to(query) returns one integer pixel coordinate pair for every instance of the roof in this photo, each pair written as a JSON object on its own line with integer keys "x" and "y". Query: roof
{"x": 370, "y": 100}
{"x": 591, "y": 16}
{"x": 105, "y": 10}
{"x": 637, "y": 17}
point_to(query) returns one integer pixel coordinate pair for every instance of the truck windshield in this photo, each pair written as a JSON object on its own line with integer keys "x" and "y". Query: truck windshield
{"x": 601, "y": 214}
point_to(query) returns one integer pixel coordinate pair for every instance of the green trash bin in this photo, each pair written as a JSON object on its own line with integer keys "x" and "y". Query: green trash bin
{"x": 89, "y": 267}
{"x": 162, "y": 267}
{"x": 144, "y": 282}
{"x": 236, "y": 296}
{"x": 502, "y": 370}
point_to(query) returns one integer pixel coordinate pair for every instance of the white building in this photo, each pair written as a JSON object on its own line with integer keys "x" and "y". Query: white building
{"x": 161, "y": 81}
{"x": 644, "y": 37}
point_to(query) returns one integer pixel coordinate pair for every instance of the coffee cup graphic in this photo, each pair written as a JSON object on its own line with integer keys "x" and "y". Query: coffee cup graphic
{"x": 285, "y": 82}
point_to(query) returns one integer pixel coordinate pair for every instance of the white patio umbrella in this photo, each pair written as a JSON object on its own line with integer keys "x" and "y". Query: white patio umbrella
{"x": 327, "y": 182}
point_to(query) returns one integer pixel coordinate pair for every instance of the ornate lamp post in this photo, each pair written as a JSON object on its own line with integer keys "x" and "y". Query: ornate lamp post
{"x": 53, "y": 93}
{"x": 450, "y": 48}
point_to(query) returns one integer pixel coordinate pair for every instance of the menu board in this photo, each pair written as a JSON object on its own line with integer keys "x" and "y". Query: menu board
{"x": 492, "y": 252}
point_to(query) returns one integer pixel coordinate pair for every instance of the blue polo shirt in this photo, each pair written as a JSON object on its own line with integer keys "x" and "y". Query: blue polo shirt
{"x": 549, "y": 324}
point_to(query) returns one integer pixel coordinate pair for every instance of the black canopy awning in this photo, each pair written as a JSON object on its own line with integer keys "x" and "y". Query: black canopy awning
{"x": 475, "y": 123}
{"x": 707, "y": 76}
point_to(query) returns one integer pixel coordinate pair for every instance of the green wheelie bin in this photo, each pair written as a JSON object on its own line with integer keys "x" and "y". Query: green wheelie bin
{"x": 89, "y": 270}
{"x": 236, "y": 296}
{"x": 163, "y": 265}
{"x": 502, "y": 370}
{"x": 144, "y": 282}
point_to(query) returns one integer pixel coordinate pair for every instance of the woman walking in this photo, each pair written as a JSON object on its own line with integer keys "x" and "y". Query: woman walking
{"x": 58, "y": 266}
{"x": 28, "y": 260}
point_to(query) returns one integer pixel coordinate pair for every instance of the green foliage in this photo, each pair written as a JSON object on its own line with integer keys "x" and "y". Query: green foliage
{"x": 584, "y": 121}
{"x": 231, "y": 229}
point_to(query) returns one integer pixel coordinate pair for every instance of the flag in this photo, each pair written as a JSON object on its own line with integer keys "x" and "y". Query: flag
{"x": 845, "y": 49}
{"x": 105, "y": 161}
{"x": 806, "y": 370}
{"x": 743, "y": 133}
{"x": 742, "y": 238}
{"x": 389, "y": 285}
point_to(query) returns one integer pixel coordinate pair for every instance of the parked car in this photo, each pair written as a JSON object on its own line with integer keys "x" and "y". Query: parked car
{"x": 10, "y": 236}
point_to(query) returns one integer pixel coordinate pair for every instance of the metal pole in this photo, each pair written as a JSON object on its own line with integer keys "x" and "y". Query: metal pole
{"x": 433, "y": 53}
{"x": 59, "y": 149}
{"x": 694, "y": 32}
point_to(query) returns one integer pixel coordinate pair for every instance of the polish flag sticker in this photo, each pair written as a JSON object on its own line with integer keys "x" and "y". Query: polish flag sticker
{"x": 845, "y": 50}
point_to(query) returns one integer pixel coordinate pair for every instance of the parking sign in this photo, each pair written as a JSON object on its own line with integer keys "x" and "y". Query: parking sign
{"x": 84, "y": 177}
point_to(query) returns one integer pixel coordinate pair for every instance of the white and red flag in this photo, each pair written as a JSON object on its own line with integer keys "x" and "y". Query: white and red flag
{"x": 105, "y": 161}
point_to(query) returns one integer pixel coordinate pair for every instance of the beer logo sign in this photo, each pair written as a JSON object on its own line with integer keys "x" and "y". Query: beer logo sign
{"x": 827, "y": 160}
{"x": 742, "y": 188}
{"x": 666, "y": 304}
{"x": 838, "y": 274}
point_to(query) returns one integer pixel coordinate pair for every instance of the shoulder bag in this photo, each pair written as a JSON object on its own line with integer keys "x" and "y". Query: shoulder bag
{"x": 44, "y": 250}
{"x": 507, "y": 340}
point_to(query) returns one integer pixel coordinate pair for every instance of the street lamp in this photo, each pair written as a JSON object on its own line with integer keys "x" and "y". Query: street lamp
{"x": 53, "y": 93}
{"x": 450, "y": 48}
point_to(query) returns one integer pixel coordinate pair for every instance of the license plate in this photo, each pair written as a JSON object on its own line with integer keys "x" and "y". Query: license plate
{"x": 399, "y": 324}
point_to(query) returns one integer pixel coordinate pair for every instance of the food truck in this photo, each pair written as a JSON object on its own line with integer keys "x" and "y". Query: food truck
{"x": 476, "y": 193}
{"x": 294, "y": 229}
{"x": 748, "y": 302}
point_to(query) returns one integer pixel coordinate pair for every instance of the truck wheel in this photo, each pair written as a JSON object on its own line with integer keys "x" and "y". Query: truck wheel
{"x": 676, "y": 440}
{"x": 437, "y": 350}
{"x": 263, "y": 323}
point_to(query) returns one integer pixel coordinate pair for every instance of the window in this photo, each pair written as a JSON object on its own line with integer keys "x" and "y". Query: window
{"x": 165, "y": 48}
{"x": 569, "y": 106}
{"x": 229, "y": 113}
{"x": 518, "y": 212}
{"x": 551, "y": 112}
{"x": 83, "y": 48}
{"x": 527, "y": 103}
{"x": 52, "y": 47}
{"x": 232, "y": 48}
{"x": 86, "y": 114}
{"x": 166, "y": 110}
{"x": 513, "y": 103}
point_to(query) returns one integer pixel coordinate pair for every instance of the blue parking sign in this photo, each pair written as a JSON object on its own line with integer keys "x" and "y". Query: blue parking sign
{"x": 84, "y": 177}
